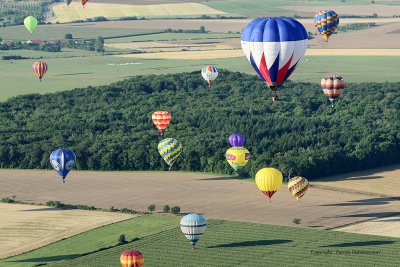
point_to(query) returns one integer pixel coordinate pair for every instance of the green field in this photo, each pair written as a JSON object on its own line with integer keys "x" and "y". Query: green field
{"x": 56, "y": 32}
{"x": 93, "y": 240}
{"x": 68, "y": 73}
{"x": 227, "y": 243}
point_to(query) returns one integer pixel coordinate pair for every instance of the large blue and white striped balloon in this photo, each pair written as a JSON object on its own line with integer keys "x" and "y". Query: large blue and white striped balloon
{"x": 274, "y": 47}
{"x": 193, "y": 226}
{"x": 62, "y": 160}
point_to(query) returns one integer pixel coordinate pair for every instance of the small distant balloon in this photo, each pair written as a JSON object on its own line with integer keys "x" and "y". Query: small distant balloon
{"x": 326, "y": 22}
{"x": 161, "y": 119}
{"x": 209, "y": 74}
{"x": 193, "y": 226}
{"x": 40, "y": 69}
{"x": 298, "y": 186}
{"x": 63, "y": 160}
{"x": 236, "y": 140}
{"x": 68, "y": 2}
{"x": 132, "y": 258}
{"x": 237, "y": 157}
{"x": 170, "y": 149}
{"x": 333, "y": 87}
{"x": 269, "y": 180}
{"x": 30, "y": 23}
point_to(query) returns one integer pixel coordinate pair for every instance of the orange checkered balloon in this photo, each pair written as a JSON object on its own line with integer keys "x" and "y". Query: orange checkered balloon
{"x": 161, "y": 119}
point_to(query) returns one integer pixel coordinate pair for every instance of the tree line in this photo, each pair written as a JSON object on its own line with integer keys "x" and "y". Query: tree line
{"x": 110, "y": 127}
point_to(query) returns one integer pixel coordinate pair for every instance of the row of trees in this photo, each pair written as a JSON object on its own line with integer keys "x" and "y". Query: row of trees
{"x": 110, "y": 127}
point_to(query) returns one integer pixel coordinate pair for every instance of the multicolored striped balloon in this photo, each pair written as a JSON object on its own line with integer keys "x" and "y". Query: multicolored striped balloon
{"x": 269, "y": 180}
{"x": 237, "y": 157}
{"x": 298, "y": 186}
{"x": 84, "y": 2}
{"x": 170, "y": 149}
{"x": 40, "y": 69}
{"x": 193, "y": 226}
{"x": 326, "y": 22}
{"x": 132, "y": 258}
{"x": 209, "y": 74}
{"x": 62, "y": 160}
{"x": 332, "y": 86}
{"x": 161, "y": 119}
{"x": 274, "y": 47}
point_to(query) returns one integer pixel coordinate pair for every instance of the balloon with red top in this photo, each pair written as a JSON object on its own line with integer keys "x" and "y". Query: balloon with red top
{"x": 132, "y": 258}
{"x": 333, "y": 86}
{"x": 161, "y": 119}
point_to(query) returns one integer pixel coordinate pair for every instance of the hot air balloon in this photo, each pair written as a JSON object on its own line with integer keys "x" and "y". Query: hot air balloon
{"x": 333, "y": 87}
{"x": 132, "y": 258}
{"x": 237, "y": 157}
{"x": 274, "y": 47}
{"x": 161, "y": 119}
{"x": 30, "y": 23}
{"x": 40, "y": 69}
{"x": 62, "y": 160}
{"x": 268, "y": 181}
{"x": 84, "y": 2}
{"x": 68, "y": 2}
{"x": 298, "y": 186}
{"x": 326, "y": 22}
{"x": 236, "y": 140}
{"x": 209, "y": 74}
{"x": 193, "y": 226}
{"x": 170, "y": 149}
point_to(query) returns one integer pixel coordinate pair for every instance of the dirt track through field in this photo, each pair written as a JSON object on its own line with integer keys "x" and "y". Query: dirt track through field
{"x": 385, "y": 227}
{"x": 212, "y": 196}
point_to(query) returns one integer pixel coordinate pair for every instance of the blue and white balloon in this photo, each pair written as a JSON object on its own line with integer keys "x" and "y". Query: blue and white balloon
{"x": 193, "y": 226}
{"x": 274, "y": 47}
{"x": 63, "y": 160}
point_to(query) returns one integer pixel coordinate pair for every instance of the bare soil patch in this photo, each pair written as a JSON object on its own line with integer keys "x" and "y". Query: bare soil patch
{"x": 389, "y": 226}
{"x": 213, "y": 196}
{"x": 27, "y": 227}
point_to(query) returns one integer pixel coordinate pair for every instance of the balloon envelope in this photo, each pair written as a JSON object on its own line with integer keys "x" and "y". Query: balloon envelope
{"x": 62, "y": 160}
{"x": 298, "y": 186}
{"x": 84, "y": 2}
{"x": 237, "y": 157}
{"x": 236, "y": 140}
{"x": 269, "y": 180}
{"x": 161, "y": 119}
{"x": 274, "y": 47}
{"x": 326, "y": 22}
{"x": 67, "y": 2}
{"x": 209, "y": 73}
{"x": 132, "y": 258}
{"x": 333, "y": 87}
{"x": 193, "y": 226}
{"x": 170, "y": 149}
{"x": 40, "y": 69}
{"x": 30, "y": 23}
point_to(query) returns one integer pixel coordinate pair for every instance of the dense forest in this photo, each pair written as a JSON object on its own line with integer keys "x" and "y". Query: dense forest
{"x": 110, "y": 127}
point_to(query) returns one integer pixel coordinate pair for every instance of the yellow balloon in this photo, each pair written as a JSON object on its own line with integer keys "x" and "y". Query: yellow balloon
{"x": 237, "y": 157}
{"x": 298, "y": 186}
{"x": 269, "y": 180}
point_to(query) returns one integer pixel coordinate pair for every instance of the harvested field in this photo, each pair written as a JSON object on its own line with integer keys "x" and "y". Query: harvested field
{"x": 357, "y": 10}
{"x": 381, "y": 181}
{"x": 76, "y": 12}
{"x": 27, "y": 227}
{"x": 389, "y": 226}
{"x": 214, "y": 196}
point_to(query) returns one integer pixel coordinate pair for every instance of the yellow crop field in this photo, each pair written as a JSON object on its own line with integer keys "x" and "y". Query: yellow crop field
{"x": 76, "y": 12}
{"x": 28, "y": 227}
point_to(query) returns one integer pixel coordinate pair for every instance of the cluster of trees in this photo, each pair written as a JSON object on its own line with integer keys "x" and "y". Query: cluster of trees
{"x": 356, "y": 26}
{"x": 91, "y": 45}
{"x": 201, "y": 30}
{"x": 110, "y": 127}
{"x": 45, "y": 46}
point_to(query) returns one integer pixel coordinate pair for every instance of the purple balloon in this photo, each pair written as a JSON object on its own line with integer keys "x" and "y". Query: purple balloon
{"x": 236, "y": 140}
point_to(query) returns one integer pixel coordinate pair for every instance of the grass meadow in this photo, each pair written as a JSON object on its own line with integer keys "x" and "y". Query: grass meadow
{"x": 228, "y": 243}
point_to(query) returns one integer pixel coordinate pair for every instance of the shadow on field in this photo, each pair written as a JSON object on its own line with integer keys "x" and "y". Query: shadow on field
{"x": 389, "y": 220}
{"x": 221, "y": 178}
{"x": 48, "y": 259}
{"x": 377, "y": 214}
{"x": 71, "y": 74}
{"x": 369, "y": 201}
{"x": 44, "y": 209}
{"x": 252, "y": 243}
{"x": 360, "y": 244}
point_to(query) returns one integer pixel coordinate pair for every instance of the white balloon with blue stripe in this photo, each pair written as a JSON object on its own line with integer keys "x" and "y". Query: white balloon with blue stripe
{"x": 193, "y": 226}
{"x": 63, "y": 160}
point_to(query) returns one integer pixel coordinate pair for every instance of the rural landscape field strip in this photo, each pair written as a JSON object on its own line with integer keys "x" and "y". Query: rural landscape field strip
{"x": 227, "y": 243}
{"x": 389, "y": 226}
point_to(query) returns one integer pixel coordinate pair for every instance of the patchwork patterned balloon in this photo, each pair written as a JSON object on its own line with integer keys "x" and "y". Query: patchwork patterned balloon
{"x": 193, "y": 226}
{"x": 209, "y": 73}
{"x": 170, "y": 149}
{"x": 274, "y": 47}
{"x": 333, "y": 87}
{"x": 132, "y": 258}
{"x": 326, "y": 22}
{"x": 298, "y": 186}
{"x": 62, "y": 160}
{"x": 269, "y": 180}
{"x": 161, "y": 119}
{"x": 236, "y": 140}
{"x": 237, "y": 157}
